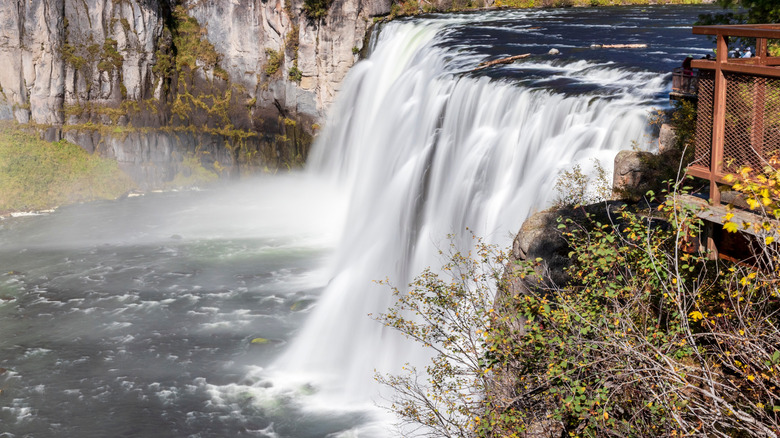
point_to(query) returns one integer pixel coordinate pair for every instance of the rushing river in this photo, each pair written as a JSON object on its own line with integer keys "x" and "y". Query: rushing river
{"x": 242, "y": 310}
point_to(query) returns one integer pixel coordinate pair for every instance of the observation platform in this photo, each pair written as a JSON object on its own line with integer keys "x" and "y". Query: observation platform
{"x": 738, "y": 121}
{"x": 738, "y": 111}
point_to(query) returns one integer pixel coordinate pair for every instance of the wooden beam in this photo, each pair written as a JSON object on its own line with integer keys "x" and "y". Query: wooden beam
{"x": 704, "y": 173}
{"x": 755, "y": 70}
{"x": 717, "y": 213}
{"x": 768, "y": 62}
{"x": 771, "y": 31}
{"x": 719, "y": 117}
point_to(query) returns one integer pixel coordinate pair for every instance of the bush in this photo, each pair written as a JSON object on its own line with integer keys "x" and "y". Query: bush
{"x": 316, "y": 9}
{"x": 274, "y": 61}
{"x": 574, "y": 187}
{"x": 295, "y": 74}
{"x": 647, "y": 338}
{"x": 449, "y": 313}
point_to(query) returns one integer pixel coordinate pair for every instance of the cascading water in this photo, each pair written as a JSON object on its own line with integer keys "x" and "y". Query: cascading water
{"x": 241, "y": 310}
{"x": 425, "y": 149}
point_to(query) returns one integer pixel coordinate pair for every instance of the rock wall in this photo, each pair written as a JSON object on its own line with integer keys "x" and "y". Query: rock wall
{"x": 257, "y": 68}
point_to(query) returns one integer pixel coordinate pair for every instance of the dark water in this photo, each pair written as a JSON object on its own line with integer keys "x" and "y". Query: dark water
{"x": 155, "y": 316}
{"x": 666, "y": 30}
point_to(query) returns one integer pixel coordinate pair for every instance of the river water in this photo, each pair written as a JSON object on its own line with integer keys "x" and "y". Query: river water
{"x": 241, "y": 310}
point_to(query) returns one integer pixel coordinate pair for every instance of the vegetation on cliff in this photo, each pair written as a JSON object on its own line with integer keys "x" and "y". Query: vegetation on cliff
{"x": 37, "y": 175}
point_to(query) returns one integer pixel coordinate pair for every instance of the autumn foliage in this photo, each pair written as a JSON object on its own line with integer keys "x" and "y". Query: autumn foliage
{"x": 649, "y": 336}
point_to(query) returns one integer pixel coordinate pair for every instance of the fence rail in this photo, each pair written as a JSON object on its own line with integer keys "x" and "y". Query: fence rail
{"x": 685, "y": 81}
{"x": 738, "y": 120}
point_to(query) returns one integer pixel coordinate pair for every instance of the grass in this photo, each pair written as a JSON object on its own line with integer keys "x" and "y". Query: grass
{"x": 38, "y": 175}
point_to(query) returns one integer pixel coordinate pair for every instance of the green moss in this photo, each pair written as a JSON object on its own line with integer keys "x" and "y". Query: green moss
{"x": 221, "y": 73}
{"x": 316, "y": 9}
{"x": 192, "y": 173}
{"x": 274, "y": 61}
{"x": 110, "y": 59}
{"x": 70, "y": 56}
{"x": 36, "y": 175}
{"x": 295, "y": 74}
{"x": 190, "y": 44}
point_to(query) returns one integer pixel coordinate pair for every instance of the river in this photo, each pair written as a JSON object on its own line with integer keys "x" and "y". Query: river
{"x": 241, "y": 310}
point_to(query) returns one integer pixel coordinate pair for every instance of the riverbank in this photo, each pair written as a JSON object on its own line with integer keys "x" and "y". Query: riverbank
{"x": 416, "y": 7}
{"x": 37, "y": 175}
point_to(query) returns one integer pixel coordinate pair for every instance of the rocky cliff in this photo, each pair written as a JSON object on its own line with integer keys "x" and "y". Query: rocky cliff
{"x": 251, "y": 76}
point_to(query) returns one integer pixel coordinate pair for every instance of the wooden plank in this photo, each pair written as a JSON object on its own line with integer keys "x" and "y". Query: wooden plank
{"x": 699, "y": 172}
{"x": 719, "y": 117}
{"x": 704, "y": 173}
{"x": 755, "y": 70}
{"x": 703, "y": 64}
{"x": 717, "y": 213}
{"x": 749, "y": 31}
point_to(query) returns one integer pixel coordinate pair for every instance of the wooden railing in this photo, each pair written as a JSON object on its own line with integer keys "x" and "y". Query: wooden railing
{"x": 738, "y": 120}
{"x": 685, "y": 81}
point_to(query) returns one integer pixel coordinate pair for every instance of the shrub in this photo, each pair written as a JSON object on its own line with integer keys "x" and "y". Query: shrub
{"x": 295, "y": 74}
{"x": 274, "y": 61}
{"x": 647, "y": 338}
{"x": 316, "y": 9}
{"x": 574, "y": 187}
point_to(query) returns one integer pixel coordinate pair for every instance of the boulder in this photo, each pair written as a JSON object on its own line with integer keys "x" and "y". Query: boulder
{"x": 629, "y": 171}
{"x": 666, "y": 138}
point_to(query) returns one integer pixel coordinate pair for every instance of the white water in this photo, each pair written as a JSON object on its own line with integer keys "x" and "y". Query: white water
{"x": 424, "y": 152}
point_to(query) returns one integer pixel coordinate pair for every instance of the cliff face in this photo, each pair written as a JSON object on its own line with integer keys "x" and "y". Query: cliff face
{"x": 256, "y": 73}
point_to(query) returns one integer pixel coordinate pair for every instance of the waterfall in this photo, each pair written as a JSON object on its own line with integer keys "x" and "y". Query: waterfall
{"x": 425, "y": 149}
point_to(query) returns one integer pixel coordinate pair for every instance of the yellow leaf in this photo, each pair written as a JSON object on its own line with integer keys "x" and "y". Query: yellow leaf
{"x": 752, "y": 203}
{"x": 606, "y": 415}
{"x": 696, "y": 315}
{"x": 769, "y": 239}
{"x": 728, "y": 216}
{"x": 731, "y": 227}
{"x": 751, "y": 377}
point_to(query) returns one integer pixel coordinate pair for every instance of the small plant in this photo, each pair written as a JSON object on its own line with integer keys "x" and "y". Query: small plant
{"x": 274, "y": 61}
{"x": 574, "y": 187}
{"x": 355, "y": 50}
{"x": 316, "y": 9}
{"x": 295, "y": 74}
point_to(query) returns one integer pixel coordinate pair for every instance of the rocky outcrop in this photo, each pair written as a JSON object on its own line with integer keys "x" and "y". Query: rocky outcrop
{"x": 630, "y": 172}
{"x": 238, "y": 69}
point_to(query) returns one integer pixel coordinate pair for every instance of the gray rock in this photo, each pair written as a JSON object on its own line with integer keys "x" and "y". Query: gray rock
{"x": 554, "y": 51}
{"x": 628, "y": 171}
{"x": 540, "y": 239}
{"x": 667, "y": 137}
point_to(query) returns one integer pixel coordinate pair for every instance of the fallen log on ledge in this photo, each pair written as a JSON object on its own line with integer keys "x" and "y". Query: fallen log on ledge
{"x": 618, "y": 46}
{"x": 509, "y": 60}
